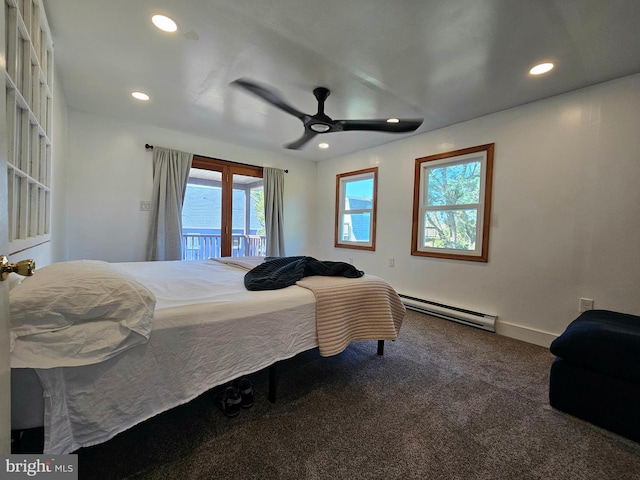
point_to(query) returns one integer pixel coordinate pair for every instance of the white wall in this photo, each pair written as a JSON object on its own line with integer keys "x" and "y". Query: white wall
{"x": 109, "y": 172}
{"x": 565, "y": 218}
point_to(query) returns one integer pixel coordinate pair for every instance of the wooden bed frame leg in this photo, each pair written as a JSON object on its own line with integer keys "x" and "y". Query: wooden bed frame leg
{"x": 273, "y": 382}
{"x": 380, "y": 347}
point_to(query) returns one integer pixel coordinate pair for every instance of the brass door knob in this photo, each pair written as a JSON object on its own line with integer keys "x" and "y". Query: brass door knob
{"x": 23, "y": 267}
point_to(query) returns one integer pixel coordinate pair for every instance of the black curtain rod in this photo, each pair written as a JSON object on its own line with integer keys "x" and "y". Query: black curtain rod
{"x": 150, "y": 147}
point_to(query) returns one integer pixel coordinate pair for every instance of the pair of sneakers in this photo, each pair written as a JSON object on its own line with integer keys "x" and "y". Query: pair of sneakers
{"x": 238, "y": 394}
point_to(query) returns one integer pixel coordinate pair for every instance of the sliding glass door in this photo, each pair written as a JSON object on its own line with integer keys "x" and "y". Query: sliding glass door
{"x": 202, "y": 215}
{"x": 247, "y": 218}
{"x": 223, "y": 211}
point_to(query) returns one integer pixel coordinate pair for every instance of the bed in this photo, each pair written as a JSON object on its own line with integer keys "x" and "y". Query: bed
{"x": 92, "y": 371}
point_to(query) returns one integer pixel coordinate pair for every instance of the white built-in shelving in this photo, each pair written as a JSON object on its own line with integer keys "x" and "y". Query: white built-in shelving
{"x": 29, "y": 95}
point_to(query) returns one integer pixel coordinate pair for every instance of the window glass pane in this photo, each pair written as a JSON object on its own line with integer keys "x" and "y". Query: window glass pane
{"x": 202, "y": 215}
{"x": 356, "y": 227}
{"x": 358, "y": 194}
{"x": 454, "y": 184}
{"x": 223, "y": 212}
{"x": 248, "y": 236}
{"x": 451, "y": 229}
{"x": 257, "y": 225}
{"x": 239, "y": 217}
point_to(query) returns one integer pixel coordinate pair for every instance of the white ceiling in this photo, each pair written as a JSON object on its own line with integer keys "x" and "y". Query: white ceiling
{"x": 444, "y": 60}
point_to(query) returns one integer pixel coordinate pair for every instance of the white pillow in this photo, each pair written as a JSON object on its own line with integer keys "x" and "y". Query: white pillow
{"x": 71, "y": 294}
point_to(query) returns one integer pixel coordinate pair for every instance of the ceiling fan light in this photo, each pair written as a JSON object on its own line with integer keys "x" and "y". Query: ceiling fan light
{"x": 319, "y": 127}
{"x": 541, "y": 68}
{"x": 164, "y": 23}
{"x": 393, "y": 120}
{"x": 323, "y": 145}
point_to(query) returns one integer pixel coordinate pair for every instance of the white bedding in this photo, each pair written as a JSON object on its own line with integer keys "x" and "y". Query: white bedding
{"x": 77, "y": 313}
{"x": 207, "y": 330}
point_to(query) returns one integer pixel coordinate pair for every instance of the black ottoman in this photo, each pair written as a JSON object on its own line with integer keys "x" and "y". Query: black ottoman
{"x": 596, "y": 375}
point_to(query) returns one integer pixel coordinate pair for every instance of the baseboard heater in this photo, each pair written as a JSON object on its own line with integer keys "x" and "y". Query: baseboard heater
{"x": 455, "y": 314}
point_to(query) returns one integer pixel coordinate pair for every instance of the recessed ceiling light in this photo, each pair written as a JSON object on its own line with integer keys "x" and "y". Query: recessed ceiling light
{"x": 140, "y": 96}
{"x": 540, "y": 69}
{"x": 323, "y": 145}
{"x": 164, "y": 23}
{"x": 393, "y": 120}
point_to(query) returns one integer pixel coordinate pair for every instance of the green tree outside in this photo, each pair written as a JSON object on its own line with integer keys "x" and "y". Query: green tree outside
{"x": 454, "y": 191}
{"x": 257, "y": 203}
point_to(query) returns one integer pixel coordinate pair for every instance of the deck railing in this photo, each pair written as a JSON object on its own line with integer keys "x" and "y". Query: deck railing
{"x": 200, "y": 246}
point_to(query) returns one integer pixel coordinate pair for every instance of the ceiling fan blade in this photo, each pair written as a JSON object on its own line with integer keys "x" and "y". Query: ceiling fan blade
{"x": 308, "y": 135}
{"x": 401, "y": 126}
{"x": 269, "y": 96}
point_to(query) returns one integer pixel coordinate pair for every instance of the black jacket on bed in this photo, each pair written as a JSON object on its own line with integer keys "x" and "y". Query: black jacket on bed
{"x": 281, "y": 272}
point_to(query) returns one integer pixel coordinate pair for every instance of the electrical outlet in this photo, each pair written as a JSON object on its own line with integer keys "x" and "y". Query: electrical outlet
{"x": 585, "y": 304}
{"x": 145, "y": 206}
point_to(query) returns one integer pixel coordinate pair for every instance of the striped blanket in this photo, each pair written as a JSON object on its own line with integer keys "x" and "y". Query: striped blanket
{"x": 348, "y": 309}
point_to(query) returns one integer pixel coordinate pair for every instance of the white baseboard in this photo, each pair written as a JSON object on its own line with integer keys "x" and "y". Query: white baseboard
{"x": 529, "y": 335}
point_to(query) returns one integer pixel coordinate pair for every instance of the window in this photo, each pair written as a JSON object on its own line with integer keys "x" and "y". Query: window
{"x": 223, "y": 211}
{"x": 29, "y": 95}
{"x": 452, "y": 204}
{"x": 356, "y": 209}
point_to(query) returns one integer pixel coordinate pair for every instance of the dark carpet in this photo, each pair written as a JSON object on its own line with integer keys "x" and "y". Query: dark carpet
{"x": 446, "y": 401}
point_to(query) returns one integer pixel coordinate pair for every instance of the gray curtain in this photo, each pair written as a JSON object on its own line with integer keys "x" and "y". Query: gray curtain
{"x": 273, "y": 208}
{"x": 170, "y": 174}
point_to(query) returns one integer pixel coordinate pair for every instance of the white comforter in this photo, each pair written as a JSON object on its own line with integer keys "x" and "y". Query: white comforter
{"x": 207, "y": 330}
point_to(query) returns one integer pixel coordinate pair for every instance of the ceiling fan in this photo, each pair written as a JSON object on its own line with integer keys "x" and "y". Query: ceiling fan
{"x": 320, "y": 122}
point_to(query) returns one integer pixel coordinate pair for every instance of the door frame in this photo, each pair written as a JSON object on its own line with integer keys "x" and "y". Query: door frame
{"x": 228, "y": 170}
{"x": 5, "y": 356}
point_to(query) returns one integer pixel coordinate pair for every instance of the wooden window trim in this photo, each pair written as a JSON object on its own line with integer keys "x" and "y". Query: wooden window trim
{"x": 374, "y": 210}
{"x": 486, "y": 218}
